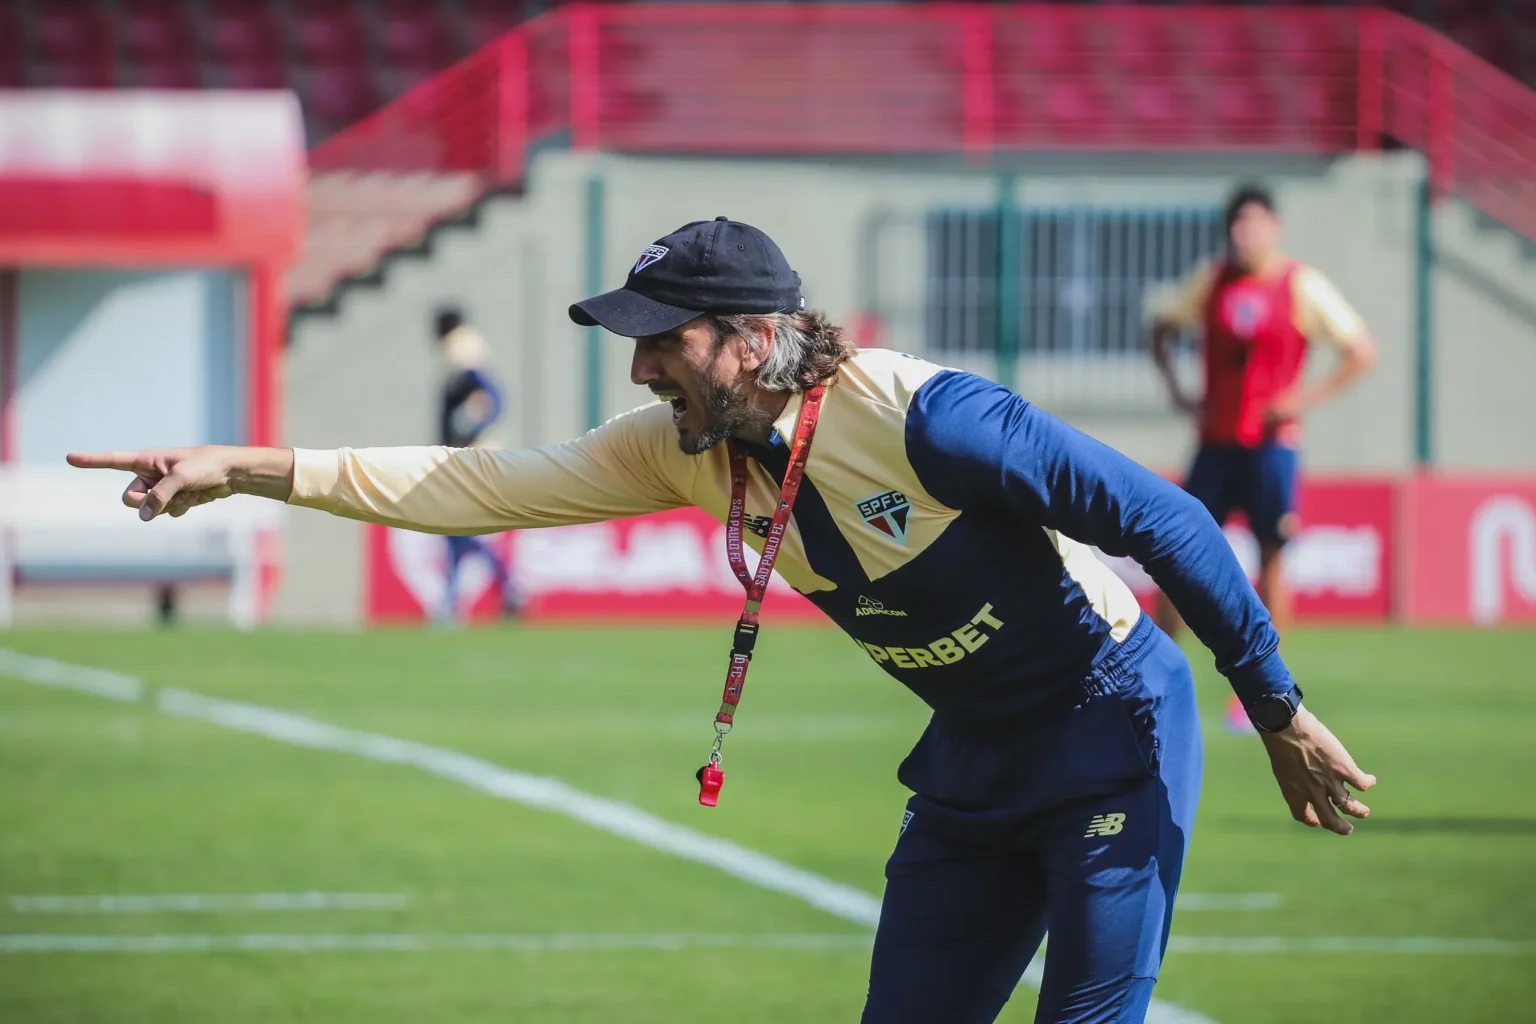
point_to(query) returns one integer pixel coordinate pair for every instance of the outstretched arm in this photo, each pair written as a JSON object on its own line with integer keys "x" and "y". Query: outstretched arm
{"x": 620, "y": 469}
{"x": 171, "y": 481}
{"x": 985, "y": 447}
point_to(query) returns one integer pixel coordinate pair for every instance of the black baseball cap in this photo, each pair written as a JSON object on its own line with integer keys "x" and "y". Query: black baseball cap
{"x": 707, "y": 266}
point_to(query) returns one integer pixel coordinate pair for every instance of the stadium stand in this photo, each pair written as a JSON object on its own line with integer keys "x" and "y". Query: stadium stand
{"x": 973, "y": 79}
{"x": 348, "y": 57}
{"x": 344, "y": 57}
{"x": 403, "y": 143}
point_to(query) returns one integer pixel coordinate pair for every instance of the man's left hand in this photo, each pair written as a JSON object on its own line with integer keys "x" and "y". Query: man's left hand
{"x": 1314, "y": 771}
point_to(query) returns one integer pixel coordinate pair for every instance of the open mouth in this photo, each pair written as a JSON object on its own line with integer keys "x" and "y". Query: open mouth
{"x": 679, "y": 404}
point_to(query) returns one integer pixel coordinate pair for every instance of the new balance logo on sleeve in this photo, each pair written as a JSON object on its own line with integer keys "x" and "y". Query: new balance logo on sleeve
{"x": 1105, "y": 825}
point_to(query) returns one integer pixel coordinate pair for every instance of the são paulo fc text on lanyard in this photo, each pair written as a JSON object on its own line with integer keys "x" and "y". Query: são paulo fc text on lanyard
{"x": 712, "y": 776}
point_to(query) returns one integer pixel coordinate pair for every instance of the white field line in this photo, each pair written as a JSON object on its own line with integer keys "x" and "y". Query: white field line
{"x": 266, "y": 942}
{"x": 1199, "y": 901}
{"x": 410, "y": 943}
{"x": 209, "y": 903}
{"x": 542, "y": 792}
{"x": 47, "y": 672}
{"x": 549, "y": 794}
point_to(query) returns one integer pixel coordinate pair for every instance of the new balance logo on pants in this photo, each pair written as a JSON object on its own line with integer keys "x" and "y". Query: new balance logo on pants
{"x": 1105, "y": 825}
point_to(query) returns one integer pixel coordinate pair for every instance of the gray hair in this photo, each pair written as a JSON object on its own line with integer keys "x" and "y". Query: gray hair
{"x": 807, "y": 347}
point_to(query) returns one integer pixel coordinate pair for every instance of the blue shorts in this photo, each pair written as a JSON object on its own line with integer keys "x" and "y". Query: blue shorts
{"x": 1261, "y": 482}
{"x": 968, "y": 899}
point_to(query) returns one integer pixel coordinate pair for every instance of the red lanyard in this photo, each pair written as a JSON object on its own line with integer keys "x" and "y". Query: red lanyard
{"x": 712, "y": 776}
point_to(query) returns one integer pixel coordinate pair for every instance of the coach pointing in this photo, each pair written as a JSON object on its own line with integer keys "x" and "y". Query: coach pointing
{"x": 944, "y": 523}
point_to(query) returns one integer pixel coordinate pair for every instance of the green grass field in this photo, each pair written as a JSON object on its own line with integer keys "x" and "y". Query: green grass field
{"x": 100, "y": 797}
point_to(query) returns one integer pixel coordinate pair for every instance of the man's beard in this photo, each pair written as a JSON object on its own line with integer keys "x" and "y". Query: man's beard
{"x": 726, "y": 412}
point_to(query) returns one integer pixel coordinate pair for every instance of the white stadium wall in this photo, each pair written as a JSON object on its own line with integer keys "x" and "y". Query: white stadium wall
{"x": 127, "y": 358}
{"x": 367, "y": 375}
{"x": 123, "y": 358}
{"x": 1484, "y": 317}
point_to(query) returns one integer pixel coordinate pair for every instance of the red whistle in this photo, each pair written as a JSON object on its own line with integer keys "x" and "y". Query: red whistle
{"x": 711, "y": 778}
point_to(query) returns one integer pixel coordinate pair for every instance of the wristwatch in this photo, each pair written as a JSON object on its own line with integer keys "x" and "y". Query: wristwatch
{"x": 1274, "y": 711}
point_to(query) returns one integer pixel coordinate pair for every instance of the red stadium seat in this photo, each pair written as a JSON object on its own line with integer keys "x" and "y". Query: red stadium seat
{"x": 1322, "y": 114}
{"x": 1038, "y": 44}
{"x": 328, "y": 33}
{"x": 89, "y": 75}
{"x": 1412, "y": 8}
{"x": 339, "y": 93}
{"x": 1072, "y": 110}
{"x": 185, "y": 74}
{"x": 1525, "y": 47}
{"x": 154, "y": 31}
{"x": 13, "y": 55}
{"x": 1243, "y": 111}
{"x": 1443, "y": 12}
{"x": 1311, "y": 47}
{"x": 1139, "y": 45}
{"x": 1489, "y": 38}
{"x": 73, "y": 43}
{"x": 394, "y": 81}
{"x": 272, "y": 75}
{"x": 241, "y": 32}
{"x": 414, "y": 34}
{"x": 67, "y": 29}
{"x": 1220, "y": 44}
{"x": 1158, "y": 111}
{"x": 484, "y": 20}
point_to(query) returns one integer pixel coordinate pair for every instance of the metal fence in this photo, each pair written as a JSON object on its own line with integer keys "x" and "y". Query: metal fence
{"x": 907, "y": 78}
{"x": 1050, "y": 299}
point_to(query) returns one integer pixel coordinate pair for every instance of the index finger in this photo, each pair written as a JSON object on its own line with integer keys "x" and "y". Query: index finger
{"x": 129, "y": 461}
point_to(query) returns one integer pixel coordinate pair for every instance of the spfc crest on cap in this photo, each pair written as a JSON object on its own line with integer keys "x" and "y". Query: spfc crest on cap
{"x": 651, "y": 254}
{"x": 887, "y": 512}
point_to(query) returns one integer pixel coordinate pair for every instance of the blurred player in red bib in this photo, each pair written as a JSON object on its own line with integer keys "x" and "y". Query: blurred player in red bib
{"x": 1255, "y": 310}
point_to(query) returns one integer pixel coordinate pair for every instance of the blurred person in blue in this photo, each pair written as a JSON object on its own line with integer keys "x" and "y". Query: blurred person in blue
{"x": 469, "y": 404}
{"x": 944, "y": 523}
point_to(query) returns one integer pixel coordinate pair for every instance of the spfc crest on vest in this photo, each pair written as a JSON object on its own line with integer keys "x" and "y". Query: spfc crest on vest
{"x": 1247, "y": 313}
{"x": 887, "y": 512}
